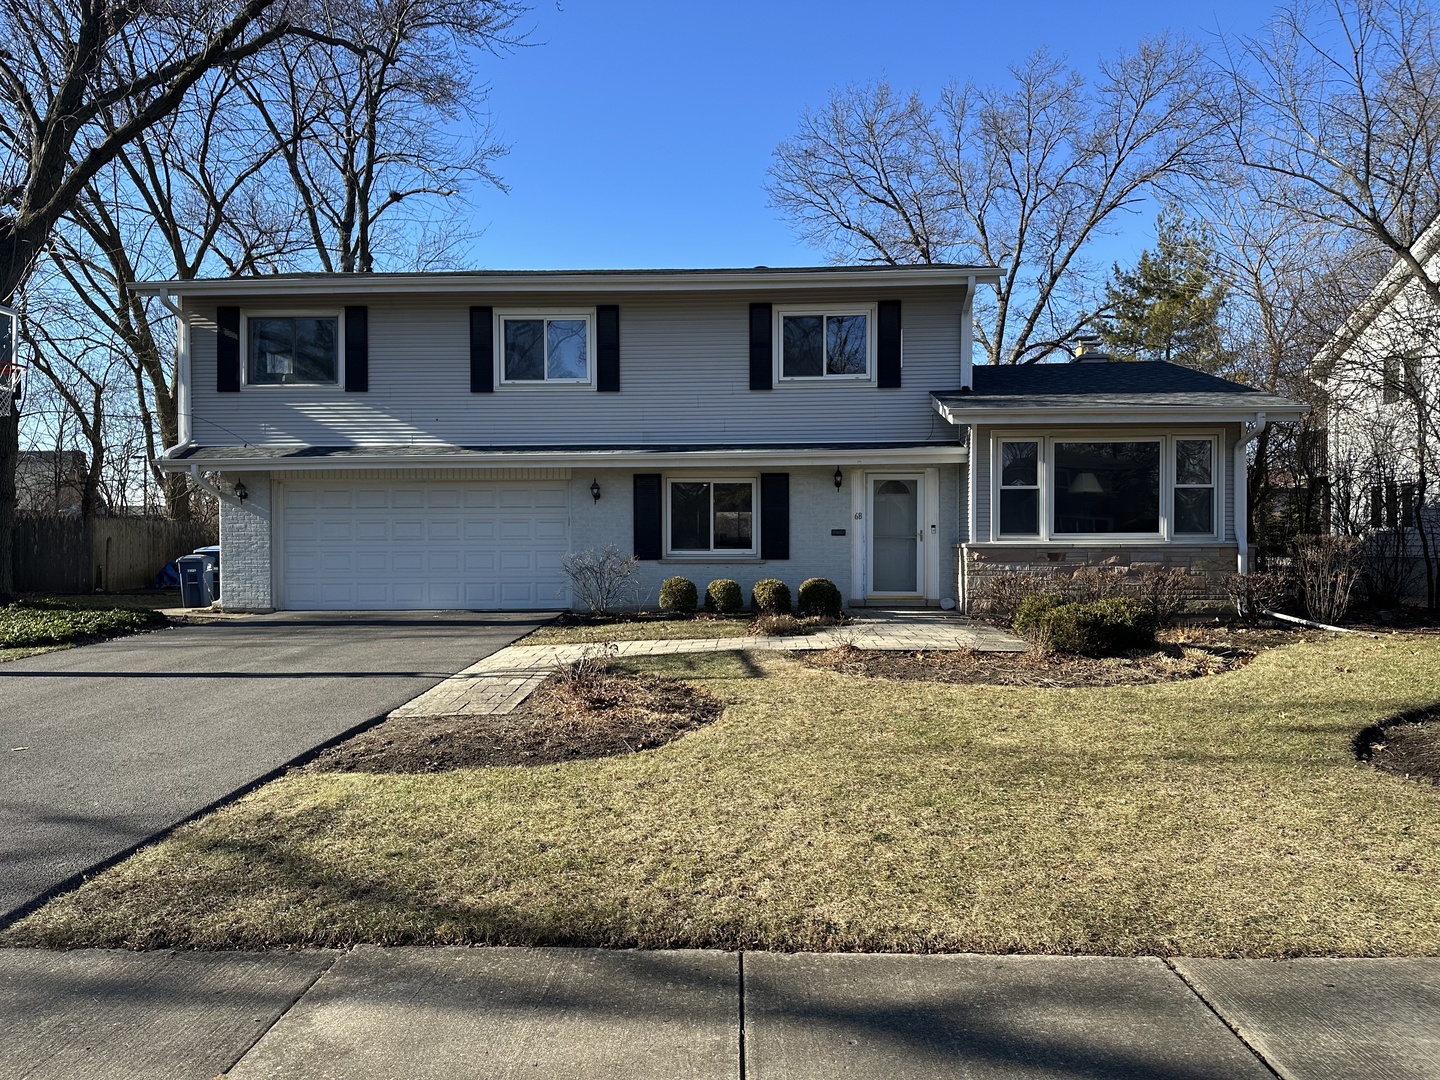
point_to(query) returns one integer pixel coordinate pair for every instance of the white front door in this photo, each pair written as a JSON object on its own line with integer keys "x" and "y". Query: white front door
{"x": 896, "y": 545}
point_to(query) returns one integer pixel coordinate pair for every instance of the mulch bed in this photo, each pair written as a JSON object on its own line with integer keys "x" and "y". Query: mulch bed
{"x": 1406, "y": 745}
{"x": 1188, "y": 653}
{"x": 566, "y": 719}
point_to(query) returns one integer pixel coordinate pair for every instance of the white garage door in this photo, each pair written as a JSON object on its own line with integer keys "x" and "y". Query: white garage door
{"x": 385, "y": 545}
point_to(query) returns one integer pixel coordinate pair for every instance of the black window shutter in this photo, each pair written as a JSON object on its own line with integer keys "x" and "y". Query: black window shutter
{"x": 227, "y": 350}
{"x": 482, "y": 350}
{"x": 762, "y": 350}
{"x": 649, "y": 534}
{"x": 357, "y": 349}
{"x": 775, "y": 515}
{"x": 607, "y": 348}
{"x": 887, "y": 343}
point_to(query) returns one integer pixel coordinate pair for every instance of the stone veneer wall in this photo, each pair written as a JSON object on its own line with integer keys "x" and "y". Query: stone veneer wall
{"x": 1208, "y": 565}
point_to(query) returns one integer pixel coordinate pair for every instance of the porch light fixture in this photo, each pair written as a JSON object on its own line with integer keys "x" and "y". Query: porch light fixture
{"x": 839, "y": 478}
{"x": 595, "y": 490}
{"x": 240, "y": 492}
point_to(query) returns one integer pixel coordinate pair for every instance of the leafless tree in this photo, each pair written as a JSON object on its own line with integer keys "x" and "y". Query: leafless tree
{"x": 1340, "y": 100}
{"x": 368, "y": 137}
{"x": 1027, "y": 174}
{"x": 58, "y": 75}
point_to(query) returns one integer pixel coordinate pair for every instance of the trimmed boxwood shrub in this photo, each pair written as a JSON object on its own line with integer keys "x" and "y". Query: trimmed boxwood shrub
{"x": 1031, "y": 612}
{"x": 770, "y": 595}
{"x": 723, "y": 597}
{"x": 820, "y": 596}
{"x": 678, "y": 594}
{"x": 1099, "y": 628}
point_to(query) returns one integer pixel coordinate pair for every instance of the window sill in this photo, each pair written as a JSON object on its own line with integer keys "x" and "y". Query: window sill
{"x": 693, "y": 560}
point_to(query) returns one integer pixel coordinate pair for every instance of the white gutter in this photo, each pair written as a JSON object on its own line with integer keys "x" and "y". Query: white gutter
{"x": 588, "y": 282}
{"x": 1242, "y": 493}
{"x": 940, "y": 453}
{"x": 1110, "y": 414}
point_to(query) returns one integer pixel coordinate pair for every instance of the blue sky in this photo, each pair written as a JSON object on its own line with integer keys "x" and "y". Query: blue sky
{"x": 640, "y": 131}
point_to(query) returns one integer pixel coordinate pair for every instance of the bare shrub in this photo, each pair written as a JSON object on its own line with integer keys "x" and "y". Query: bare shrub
{"x": 1327, "y": 567}
{"x": 1164, "y": 593}
{"x": 1253, "y": 594}
{"x": 592, "y": 665}
{"x": 1387, "y": 565}
{"x": 1091, "y": 583}
{"x": 1000, "y": 597}
{"x": 602, "y": 582}
{"x": 777, "y": 625}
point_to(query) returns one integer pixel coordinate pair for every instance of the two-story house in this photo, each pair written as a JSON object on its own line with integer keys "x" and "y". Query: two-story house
{"x": 430, "y": 440}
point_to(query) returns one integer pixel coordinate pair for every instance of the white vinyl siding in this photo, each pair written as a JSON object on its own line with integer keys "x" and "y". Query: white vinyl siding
{"x": 684, "y": 376}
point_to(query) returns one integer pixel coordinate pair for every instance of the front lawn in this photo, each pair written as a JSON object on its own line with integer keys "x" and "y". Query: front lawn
{"x": 30, "y": 625}
{"x": 1219, "y": 816}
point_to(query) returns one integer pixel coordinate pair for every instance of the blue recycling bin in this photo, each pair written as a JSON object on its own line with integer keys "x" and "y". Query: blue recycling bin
{"x": 194, "y": 583}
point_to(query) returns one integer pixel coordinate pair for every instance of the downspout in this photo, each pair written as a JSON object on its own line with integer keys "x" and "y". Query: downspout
{"x": 967, "y": 337}
{"x": 967, "y": 435}
{"x": 199, "y": 481}
{"x": 1242, "y": 494}
{"x": 182, "y": 370}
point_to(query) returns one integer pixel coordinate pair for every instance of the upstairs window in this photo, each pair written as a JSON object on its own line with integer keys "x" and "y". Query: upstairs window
{"x": 540, "y": 349}
{"x": 826, "y": 344}
{"x": 295, "y": 350}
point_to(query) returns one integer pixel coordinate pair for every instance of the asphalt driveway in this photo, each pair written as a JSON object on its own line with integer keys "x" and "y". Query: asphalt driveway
{"x": 126, "y": 738}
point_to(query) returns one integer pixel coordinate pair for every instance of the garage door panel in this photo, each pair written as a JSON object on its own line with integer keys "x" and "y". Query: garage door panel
{"x": 415, "y": 546}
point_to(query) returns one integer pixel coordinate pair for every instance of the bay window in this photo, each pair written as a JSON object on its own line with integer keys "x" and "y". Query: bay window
{"x": 1075, "y": 487}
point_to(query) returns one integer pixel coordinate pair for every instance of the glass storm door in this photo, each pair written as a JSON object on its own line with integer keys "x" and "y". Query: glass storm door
{"x": 895, "y": 535}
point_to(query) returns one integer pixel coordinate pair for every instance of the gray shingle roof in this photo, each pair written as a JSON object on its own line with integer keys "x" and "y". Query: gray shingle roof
{"x": 1107, "y": 387}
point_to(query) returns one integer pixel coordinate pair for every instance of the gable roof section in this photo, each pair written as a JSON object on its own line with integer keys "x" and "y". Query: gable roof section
{"x": 1425, "y": 249}
{"x": 1114, "y": 392}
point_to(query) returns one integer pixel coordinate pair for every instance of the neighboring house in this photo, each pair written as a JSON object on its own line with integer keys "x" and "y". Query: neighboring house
{"x": 1381, "y": 371}
{"x": 445, "y": 440}
{"x": 50, "y": 481}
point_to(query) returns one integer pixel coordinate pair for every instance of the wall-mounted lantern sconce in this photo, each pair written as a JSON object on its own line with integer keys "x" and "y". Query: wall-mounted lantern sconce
{"x": 240, "y": 492}
{"x": 595, "y": 490}
{"x": 839, "y": 478}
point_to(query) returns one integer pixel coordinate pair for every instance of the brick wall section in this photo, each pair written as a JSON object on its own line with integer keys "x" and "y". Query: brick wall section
{"x": 1208, "y": 565}
{"x": 245, "y": 545}
{"x": 815, "y": 509}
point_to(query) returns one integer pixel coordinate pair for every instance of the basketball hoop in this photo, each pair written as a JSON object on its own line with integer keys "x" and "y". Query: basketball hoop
{"x": 10, "y": 367}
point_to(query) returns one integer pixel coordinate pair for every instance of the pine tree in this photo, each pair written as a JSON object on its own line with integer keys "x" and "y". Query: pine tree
{"x": 1168, "y": 307}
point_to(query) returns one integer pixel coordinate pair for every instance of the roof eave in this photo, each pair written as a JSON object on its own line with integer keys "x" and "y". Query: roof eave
{"x": 596, "y": 283}
{"x": 1128, "y": 414}
{"x": 379, "y": 458}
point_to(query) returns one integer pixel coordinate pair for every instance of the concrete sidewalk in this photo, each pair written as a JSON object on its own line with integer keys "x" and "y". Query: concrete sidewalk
{"x": 497, "y": 684}
{"x": 373, "y": 1013}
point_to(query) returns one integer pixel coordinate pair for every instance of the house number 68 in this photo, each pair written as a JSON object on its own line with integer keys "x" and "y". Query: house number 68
{"x": 859, "y": 516}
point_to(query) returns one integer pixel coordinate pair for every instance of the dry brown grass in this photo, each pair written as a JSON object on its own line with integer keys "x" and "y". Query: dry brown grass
{"x": 1214, "y": 817}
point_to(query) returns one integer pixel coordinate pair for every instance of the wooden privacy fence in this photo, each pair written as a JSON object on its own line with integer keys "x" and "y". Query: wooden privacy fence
{"x": 64, "y": 554}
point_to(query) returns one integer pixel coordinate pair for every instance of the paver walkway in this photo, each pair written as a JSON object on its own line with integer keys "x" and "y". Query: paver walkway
{"x": 501, "y": 681}
{"x": 544, "y": 1014}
